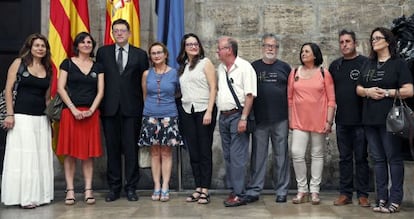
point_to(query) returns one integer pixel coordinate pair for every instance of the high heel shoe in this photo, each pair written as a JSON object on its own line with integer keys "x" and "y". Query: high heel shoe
{"x": 300, "y": 198}
{"x": 156, "y": 195}
{"x": 71, "y": 200}
{"x": 90, "y": 200}
{"x": 165, "y": 196}
{"x": 393, "y": 208}
{"x": 315, "y": 198}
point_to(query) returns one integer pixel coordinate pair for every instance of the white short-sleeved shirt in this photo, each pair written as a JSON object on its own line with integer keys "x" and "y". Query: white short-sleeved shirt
{"x": 243, "y": 78}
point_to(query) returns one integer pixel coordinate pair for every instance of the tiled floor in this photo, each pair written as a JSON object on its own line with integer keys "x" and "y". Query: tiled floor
{"x": 178, "y": 208}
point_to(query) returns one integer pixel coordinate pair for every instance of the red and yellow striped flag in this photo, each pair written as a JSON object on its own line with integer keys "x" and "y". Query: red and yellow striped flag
{"x": 127, "y": 10}
{"x": 67, "y": 19}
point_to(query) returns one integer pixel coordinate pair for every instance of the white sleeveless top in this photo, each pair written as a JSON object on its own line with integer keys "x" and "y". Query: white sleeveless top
{"x": 194, "y": 87}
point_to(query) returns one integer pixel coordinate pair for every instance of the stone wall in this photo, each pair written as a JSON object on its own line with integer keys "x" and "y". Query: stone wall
{"x": 293, "y": 21}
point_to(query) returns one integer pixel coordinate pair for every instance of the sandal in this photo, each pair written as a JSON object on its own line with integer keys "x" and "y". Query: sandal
{"x": 90, "y": 200}
{"x": 72, "y": 200}
{"x": 156, "y": 195}
{"x": 204, "y": 198}
{"x": 194, "y": 197}
{"x": 32, "y": 206}
{"x": 300, "y": 198}
{"x": 393, "y": 208}
{"x": 380, "y": 205}
{"x": 165, "y": 196}
{"x": 315, "y": 198}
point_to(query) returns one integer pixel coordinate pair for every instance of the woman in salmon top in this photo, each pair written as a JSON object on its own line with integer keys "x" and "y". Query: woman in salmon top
{"x": 311, "y": 100}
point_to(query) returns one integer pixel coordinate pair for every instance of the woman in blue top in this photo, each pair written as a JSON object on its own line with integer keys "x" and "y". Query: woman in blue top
{"x": 160, "y": 118}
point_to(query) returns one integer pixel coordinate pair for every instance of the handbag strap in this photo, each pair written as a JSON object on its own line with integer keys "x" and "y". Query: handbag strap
{"x": 410, "y": 121}
{"x": 19, "y": 76}
{"x": 398, "y": 97}
{"x": 240, "y": 108}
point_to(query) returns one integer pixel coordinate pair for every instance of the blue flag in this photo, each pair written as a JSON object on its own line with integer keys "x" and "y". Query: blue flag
{"x": 170, "y": 26}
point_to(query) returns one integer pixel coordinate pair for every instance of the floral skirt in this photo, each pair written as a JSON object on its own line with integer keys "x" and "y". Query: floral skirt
{"x": 160, "y": 131}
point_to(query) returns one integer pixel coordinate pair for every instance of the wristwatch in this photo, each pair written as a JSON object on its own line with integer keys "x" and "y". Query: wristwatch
{"x": 387, "y": 93}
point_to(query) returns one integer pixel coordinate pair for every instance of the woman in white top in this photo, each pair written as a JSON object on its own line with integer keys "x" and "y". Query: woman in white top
{"x": 198, "y": 82}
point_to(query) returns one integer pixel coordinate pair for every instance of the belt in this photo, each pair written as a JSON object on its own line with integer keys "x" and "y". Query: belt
{"x": 229, "y": 112}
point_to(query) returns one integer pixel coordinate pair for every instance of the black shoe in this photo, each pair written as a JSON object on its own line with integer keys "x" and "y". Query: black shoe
{"x": 251, "y": 198}
{"x": 280, "y": 198}
{"x": 132, "y": 196}
{"x": 112, "y": 196}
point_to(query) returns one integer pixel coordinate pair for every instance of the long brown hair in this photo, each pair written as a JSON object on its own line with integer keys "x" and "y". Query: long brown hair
{"x": 27, "y": 57}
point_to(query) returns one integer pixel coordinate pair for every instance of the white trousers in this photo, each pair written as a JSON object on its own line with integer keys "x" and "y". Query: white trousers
{"x": 300, "y": 141}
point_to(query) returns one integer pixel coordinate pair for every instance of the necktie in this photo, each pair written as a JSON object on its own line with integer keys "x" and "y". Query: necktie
{"x": 120, "y": 61}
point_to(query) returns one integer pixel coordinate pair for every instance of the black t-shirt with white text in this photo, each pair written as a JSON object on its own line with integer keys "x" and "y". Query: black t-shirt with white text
{"x": 271, "y": 105}
{"x": 390, "y": 75}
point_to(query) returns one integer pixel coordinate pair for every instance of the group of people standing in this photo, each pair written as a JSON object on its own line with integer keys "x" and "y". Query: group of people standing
{"x": 136, "y": 99}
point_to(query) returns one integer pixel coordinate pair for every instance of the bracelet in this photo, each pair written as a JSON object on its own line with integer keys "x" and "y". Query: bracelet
{"x": 366, "y": 93}
{"x": 71, "y": 105}
{"x": 330, "y": 123}
{"x": 9, "y": 115}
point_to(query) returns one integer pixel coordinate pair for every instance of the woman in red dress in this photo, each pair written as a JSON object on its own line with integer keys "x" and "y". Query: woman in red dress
{"x": 81, "y": 84}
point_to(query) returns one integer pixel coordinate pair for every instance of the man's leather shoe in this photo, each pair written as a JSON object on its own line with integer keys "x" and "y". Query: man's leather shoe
{"x": 234, "y": 202}
{"x": 251, "y": 198}
{"x": 280, "y": 198}
{"x": 132, "y": 196}
{"x": 112, "y": 196}
{"x": 342, "y": 200}
{"x": 230, "y": 197}
{"x": 363, "y": 202}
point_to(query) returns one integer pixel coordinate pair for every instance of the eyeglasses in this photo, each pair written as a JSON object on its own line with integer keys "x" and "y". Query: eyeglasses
{"x": 192, "y": 45}
{"x": 156, "y": 53}
{"x": 270, "y": 46}
{"x": 377, "y": 38}
{"x": 219, "y": 49}
{"x": 119, "y": 30}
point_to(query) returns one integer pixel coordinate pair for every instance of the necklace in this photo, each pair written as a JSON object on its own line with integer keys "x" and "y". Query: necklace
{"x": 158, "y": 79}
{"x": 380, "y": 64}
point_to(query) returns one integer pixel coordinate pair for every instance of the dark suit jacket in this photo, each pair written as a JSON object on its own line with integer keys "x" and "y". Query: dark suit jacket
{"x": 122, "y": 90}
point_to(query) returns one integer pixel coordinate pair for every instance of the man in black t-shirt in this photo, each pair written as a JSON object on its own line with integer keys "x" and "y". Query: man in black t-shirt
{"x": 271, "y": 113}
{"x": 349, "y": 130}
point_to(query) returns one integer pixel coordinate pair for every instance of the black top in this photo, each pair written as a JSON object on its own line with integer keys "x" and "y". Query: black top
{"x": 390, "y": 75}
{"x": 345, "y": 73}
{"x": 271, "y": 103}
{"x": 82, "y": 88}
{"x": 31, "y": 94}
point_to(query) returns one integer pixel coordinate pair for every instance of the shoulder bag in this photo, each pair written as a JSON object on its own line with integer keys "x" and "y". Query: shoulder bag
{"x": 3, "y": 108}
{"x": 400, "y": 120}
{"x": 251, "y": 122}
{"x": 54, "y": 108}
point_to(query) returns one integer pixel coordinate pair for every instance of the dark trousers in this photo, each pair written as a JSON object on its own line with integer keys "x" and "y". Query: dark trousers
{"x": 199, "y": 141}
{"x": 385, "y": 150}
{"x": 352, "y": 146}
{"x": 121, "y": 135}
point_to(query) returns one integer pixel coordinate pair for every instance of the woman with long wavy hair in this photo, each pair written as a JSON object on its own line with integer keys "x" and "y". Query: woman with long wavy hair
{"x": 28, "y": 162}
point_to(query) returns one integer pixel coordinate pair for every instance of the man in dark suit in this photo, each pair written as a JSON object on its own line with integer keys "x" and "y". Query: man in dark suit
{"x": 121, "y": 109}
